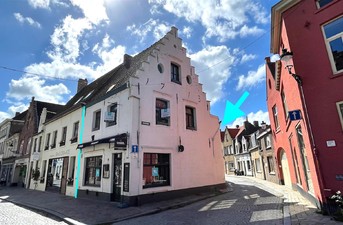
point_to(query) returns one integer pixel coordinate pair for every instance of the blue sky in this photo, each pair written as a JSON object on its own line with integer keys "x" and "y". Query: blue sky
{"x": 56, "y": 42}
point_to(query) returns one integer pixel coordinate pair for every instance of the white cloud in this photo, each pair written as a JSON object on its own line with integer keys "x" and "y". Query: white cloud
{"x": 94, "y": 11}
{"x": 253, "y": 78}
{"x": 155, "y": 27}
{"x": 28, "y": 20}
{"x": 4, "y": 115}
{"x": 247, "y": 57}
{"x": 44, "y": 4}
{"x": 257, "y": 116}
{"x": 225, "y": 19}
{"x": 214, "y": 78}
{"x": 26, "y": 87}
{"x": 187, "y": 31}
{"x": 65, "y": 39}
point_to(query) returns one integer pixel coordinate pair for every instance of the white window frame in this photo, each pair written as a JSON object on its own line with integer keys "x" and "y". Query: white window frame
{"x": 328, "y": 47}
{"x": 276, "y": 118}
{"x": 340, "y": 113}
{"x": 94, "y": 128}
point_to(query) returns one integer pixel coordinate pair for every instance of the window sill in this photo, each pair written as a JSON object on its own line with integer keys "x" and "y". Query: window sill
{"x": 191, "y": 128}
{"x": 272, "y": 173}
{"x": 176, "y": 82}
{"x": 95, "y": 129}
{"x": 335, "y": 75}
{"x": 154, "y": 185}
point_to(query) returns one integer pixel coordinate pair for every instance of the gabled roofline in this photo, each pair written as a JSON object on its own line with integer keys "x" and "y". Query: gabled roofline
{"x": 276, "y": 23}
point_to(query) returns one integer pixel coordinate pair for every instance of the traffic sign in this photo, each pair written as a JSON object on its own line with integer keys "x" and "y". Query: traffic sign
{"x": 294, "y": 115}
{"x": 134, "y": 148}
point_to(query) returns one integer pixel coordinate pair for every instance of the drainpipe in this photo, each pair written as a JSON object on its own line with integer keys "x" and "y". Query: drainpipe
{"x": 83, "y": 113}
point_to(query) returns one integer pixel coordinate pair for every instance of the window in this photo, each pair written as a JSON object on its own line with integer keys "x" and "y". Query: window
{"x": 156, "y": 170}
{"x": 190, "y": 118}
{"x": 175, "y": 73}
{"x": 162, "y": 112}
{"x": 35, "y": 145}
{"x": 96, "y": 120}
{"x": 340, "y": 111}
{"x": 226, "y": 150}
{"x": 271, "y": 167}
{"x": 70, "y": 180}
{"x": 47, "y": 141}
{"x": 258, "y": 165}
{"x": 276, "y": 120}
{"x": 268, "y": 143}
{"x": 231, "y": 166}
{"x": 39, "y": 143}
{"x": 93, "y": 171}
{"x": 53, "y": 144}
{"x": 248, "y": 165}
{"x": 43, "y": 172}
{"x": 285, "y": 108}
{"x": 322, "y": 3}
{"x": 113, "y": 110}
{"x": 333, "y": 33}
{"x": 75, "y": 132}
{"x": 64, "y": 136}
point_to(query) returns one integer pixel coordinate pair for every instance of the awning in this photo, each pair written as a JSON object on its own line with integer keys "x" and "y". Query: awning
{"x": 120, "y": 141}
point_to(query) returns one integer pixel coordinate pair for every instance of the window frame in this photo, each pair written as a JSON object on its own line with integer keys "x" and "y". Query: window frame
{"x": 190, "y": 117}
{"x": 96, "y": 120}
{"x": 54, "y": 140}
{"x": 47, "y": 143}
{"x": 64, "y": 136}
{"x": 328, "y": 47}
{"x": 158, "y": 114}
{"x": 321, "y": 6}
{"x": 339, "y": 106}
{"x": 75, "y": 132}
{"x": 93, "y": 168}
{"x": 276, "y": 118}
{"x": 109, "y": 109}
{"x": 271, "y": 164}
{"x": 164, "y": 166}
{"x": 175, "y": 77}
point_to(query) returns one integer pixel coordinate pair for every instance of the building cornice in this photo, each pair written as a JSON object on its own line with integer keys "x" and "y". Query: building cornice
{"x": 276, "y": 22}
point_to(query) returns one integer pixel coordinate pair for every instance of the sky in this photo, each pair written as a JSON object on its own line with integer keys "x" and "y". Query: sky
{"x": 47, "y": 45}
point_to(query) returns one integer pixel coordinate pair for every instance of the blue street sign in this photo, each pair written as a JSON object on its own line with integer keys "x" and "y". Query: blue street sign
{"x": 134, "y": 148}
{"x": 294, "y": 115}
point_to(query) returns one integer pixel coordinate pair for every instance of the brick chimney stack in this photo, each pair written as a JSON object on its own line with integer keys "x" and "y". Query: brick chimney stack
{"x": 81, "y": 84}
{"x": 127, "y": 61}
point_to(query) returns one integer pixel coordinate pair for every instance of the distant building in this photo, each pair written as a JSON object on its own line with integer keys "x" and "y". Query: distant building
{"x": 228, "y": 141}
{"x": 305, "y": 98}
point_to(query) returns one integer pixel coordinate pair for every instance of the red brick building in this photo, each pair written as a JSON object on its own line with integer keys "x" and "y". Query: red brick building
{"x": 305, "y": 95}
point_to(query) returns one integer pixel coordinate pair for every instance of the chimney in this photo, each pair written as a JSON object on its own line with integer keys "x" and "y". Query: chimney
{"x": 255, "y": 123}
{"x": 17, "y": 113}
{"x": 127, "y": 61}
{"x": 237, "y": 126}
{"x": 263, "y": 125}
{"x": 267, "y": 59}
{"x": 81, "y": 84}
{"x": 174, "y": 31}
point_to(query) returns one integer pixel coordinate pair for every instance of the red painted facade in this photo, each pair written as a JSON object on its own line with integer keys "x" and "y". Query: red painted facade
{"x": 314, "y": 168}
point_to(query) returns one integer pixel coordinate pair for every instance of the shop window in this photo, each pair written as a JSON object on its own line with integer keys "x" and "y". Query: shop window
{"x": 156, "y": 170}
{"x": 96, "y": 120}
{"x": 333, "y": 33}
{"x": 175, "y": 73}
{"x": 70, "y": 180}
{"x": 162, "y": 112}
{"x": 93, "y": 171}
{"x": 190, "y": 118}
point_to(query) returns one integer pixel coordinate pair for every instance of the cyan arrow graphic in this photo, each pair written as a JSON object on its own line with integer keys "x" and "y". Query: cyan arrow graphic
{"x": 232, "y": 111}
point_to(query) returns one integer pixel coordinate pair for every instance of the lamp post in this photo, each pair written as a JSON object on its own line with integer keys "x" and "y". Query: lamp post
{"x": 287, "y": 57}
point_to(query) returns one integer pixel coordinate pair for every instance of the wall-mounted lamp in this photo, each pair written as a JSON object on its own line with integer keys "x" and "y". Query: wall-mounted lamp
{"x": 286, "y": 57}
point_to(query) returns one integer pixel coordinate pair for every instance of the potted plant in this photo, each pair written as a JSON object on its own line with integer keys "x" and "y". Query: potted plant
{"x": 338, "y": 198}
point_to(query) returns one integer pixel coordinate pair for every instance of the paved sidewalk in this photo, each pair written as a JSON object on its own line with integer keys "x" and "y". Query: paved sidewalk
{"x": 86, "y": 211}
{"x": 297, "y": 210}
